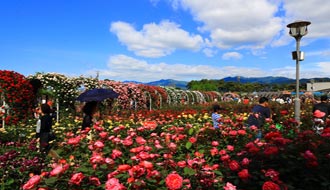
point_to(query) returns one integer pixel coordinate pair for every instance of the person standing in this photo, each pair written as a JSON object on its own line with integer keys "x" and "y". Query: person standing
{"x": 37, "y": 114}
{"x": 89, "y": 110}
{"x": 46, "y": 123}
{"x": 260, "y": 112}
{"x": 216, "y": 117}
{"x": 323, "y": 106}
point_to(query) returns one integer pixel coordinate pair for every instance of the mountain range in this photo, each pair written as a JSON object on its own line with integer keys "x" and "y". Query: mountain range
{"x": 262, "y": 80}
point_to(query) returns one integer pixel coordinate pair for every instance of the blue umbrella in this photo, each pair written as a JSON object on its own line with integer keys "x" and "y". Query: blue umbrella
{"x": 97, "y": 94}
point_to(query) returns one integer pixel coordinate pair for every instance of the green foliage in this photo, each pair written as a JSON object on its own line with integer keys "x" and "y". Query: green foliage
{"x": 222, "y": 86}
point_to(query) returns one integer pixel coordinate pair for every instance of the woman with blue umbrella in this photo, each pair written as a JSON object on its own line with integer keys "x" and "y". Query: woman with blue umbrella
{"x": 89, "y": 110}
{"x": 92, "y": 97}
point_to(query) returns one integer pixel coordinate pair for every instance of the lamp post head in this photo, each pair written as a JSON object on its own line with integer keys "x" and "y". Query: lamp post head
{"x": 298, "y": 28}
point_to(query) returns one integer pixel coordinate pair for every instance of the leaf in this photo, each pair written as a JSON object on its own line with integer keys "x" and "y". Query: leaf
{"x": 50, "y": 181}
{"x": 218, "y": 172}
{"x": 191, "y": 131}
{"x": 189, "y": 171}
{"x": 188, "y": 145}
{"x": 84, "y": 170}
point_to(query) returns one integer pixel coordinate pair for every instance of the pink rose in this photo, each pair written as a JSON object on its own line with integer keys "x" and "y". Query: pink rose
{"x": 140, "y": 140}
{"x": 33, "y": 181}
{"x": 98, "y": 144}
{"x": 77, "y": 178}
{"x": 215, "y": 143}
{"x": 229, "y": 186}
{"x": 230, "y": 147}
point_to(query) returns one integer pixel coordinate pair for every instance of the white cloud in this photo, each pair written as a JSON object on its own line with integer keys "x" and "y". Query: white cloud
{"x": 156, "y": 40}
{"x": 251, "y": 24}
{"x": 324, "y": 67}
{"x": 232, "y": 55}
{"x": 209, "y": 52}
{"x": 323, "y": 53}
{"x": 316, "y": 11}
{"x": 122, "y": 67}
{"x": 320, "y": 69}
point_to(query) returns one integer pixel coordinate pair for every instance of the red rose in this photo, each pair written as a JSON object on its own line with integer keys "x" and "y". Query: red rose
{"x": 269, "y": 185}
{"x": 243, "y": 174}
{"x": 232, "y": 133}
{"x": 150, "y": 125}
{"x": 174, "y": 181}
{"x": 123, "y": 167}
{"x": 192, "y": 140}
{"x": 271, "y": 150}
{"x": 234, "y": 165}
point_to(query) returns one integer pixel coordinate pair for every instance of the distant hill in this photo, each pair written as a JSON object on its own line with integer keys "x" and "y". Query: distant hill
{"x": 169, "y": 83}
{"x": 271, "y": 80}
{"x": 262, "y": 80}
{"x": 164, "y": 82}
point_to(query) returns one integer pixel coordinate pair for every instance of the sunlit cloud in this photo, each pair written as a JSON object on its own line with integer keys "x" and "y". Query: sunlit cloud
{"x": 156, "y": 40}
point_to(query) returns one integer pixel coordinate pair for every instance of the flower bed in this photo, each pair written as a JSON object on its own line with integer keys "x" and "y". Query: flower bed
{"x": 170, "y": 150}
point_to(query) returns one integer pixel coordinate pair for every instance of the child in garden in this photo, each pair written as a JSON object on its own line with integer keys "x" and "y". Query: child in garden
{"x": 216, "y": 117}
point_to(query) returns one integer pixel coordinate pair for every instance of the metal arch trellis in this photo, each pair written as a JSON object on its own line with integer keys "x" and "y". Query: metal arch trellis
{"x": 3, "y": 109}
{"x": 200, "y": 97}
{"x": 172, "y": 96}
{"x": 148, "y": 95}
{"x": 186, "y": 101}
{"x": 188, "y": 92}
{"x": 219, "y": 95}
{"x": 160, "y": 98}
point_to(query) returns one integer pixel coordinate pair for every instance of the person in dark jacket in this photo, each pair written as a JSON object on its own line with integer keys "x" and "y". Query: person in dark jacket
{"x": 46, "y": 123}
{"x": 323, "y": 106}
{"x": 260, "y": 112}
{"x": 89, "y": 110}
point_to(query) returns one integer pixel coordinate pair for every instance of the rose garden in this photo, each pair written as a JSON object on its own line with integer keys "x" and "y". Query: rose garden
{"x": 154, "y": 138}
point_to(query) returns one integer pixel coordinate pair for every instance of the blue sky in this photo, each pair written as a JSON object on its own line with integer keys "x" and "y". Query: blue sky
{"x": 149, "y": 40}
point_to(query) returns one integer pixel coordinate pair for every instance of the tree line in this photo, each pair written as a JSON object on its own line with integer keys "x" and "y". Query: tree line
{"x": 236, "y": 86}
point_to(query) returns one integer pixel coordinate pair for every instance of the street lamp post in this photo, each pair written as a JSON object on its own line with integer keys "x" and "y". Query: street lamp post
{"x": 298, "y": 29}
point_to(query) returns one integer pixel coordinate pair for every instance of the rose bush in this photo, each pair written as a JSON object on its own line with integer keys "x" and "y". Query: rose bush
{"x": 16, "y": 92}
